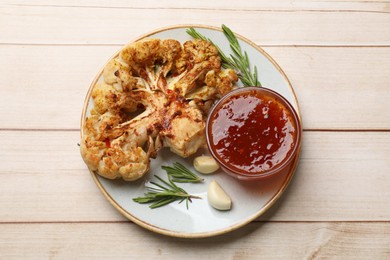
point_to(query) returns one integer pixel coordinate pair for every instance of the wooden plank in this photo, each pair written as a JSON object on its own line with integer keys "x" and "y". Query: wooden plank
{"x": 75, "y": 25}
{"x": 337, "y": 88}
{"x": 342, "y": 176}
{"x": 264, "y": 5}
{"x": 48, "y": 179}
{"x": 47, "y": 87}
{"x": 257, "y": 240}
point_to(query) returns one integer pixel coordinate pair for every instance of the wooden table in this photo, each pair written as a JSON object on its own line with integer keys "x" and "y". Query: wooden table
{"x": 337, "y": 56}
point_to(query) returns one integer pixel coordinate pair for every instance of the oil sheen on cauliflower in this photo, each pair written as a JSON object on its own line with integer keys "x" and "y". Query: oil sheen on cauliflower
{"x": 173, "y": 85}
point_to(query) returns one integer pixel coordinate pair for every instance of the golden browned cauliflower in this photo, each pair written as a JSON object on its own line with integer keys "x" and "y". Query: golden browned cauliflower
{"x": 156, "y": 93}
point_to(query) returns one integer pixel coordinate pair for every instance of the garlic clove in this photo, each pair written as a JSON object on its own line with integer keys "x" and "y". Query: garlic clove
{"x": 217, "y": 197}
{"x": 205, "y": 164}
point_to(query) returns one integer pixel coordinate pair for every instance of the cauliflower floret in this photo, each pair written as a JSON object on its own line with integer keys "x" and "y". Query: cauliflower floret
{"x": 170, "y": 51}
{"x": 141, "y": 53}
{"x": 223, "y": 81}
{"x": 117, "y": 73}
{"x": 201, "y": 57}
{"x": 183, "y": 131}
{"x": 217, "y": 84}
{"x": 155, "y": 93}
{"x": 107, "y": 98}
{"x": 199, "y": 50}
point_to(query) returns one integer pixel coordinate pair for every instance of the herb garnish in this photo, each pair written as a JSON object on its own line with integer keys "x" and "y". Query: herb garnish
{"x": 238, "y": 62}
{"x": 164, "y": 193}
{"x": 179, "y": 173}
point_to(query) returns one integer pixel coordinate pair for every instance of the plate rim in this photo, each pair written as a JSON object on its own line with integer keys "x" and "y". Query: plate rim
{"x": 178, "y": 234}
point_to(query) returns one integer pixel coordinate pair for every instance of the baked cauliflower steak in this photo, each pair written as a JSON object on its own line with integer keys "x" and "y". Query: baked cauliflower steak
{"x": 155, "y": 93}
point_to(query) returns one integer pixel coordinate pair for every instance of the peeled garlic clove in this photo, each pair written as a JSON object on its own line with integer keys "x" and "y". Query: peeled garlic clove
{"x": 205, "y": 164}
{"x": 217, "y": 197}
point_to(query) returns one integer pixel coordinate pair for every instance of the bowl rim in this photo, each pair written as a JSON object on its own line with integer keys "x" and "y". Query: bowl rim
{"x": 241, "y": 174}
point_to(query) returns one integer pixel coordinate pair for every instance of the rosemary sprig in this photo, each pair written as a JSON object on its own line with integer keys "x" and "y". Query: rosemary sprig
{"x": 164, "y": 193}
{"x": 238, "y": 61}
{"x": 179, "y": 173}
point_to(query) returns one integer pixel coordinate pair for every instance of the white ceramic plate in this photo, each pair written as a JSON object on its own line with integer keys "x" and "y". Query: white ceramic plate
{"x": 250, "y": 200}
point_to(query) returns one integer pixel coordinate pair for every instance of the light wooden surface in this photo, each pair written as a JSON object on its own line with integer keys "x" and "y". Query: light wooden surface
{"x": 337, "y": 57}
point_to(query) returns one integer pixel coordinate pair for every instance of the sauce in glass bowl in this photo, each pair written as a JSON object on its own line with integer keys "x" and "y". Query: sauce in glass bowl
{"x": 253, "y": 132}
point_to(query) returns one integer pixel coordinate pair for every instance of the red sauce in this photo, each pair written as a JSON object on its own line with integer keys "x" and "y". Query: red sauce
{"x": 252, "y": 132}
{"x": 108, "y": 142}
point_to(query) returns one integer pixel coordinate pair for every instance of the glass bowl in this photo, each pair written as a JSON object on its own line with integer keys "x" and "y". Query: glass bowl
{"x": 253, "y": 133}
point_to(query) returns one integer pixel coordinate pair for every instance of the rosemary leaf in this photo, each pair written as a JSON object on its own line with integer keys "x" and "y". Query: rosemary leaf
{"x": 179, "y": 173}
{"x": 162, "y": 202}
{"x": 238, "y": 61}
{"x": 164, "y": 193}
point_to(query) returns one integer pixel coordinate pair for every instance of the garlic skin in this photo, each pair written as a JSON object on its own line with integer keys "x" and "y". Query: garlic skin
{"x": 217, "y": 197}
{"x": 205, "y": 164}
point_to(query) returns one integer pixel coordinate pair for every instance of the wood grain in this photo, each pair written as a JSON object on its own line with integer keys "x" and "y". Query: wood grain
{"x": 336, "y": 54}
{"x": 257, "y": 240}
{"x": 337, "y": 88}
{"x": 263, "y": 5}
{"x": 75, "y": 25}
{"x": 341, "y": 177}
